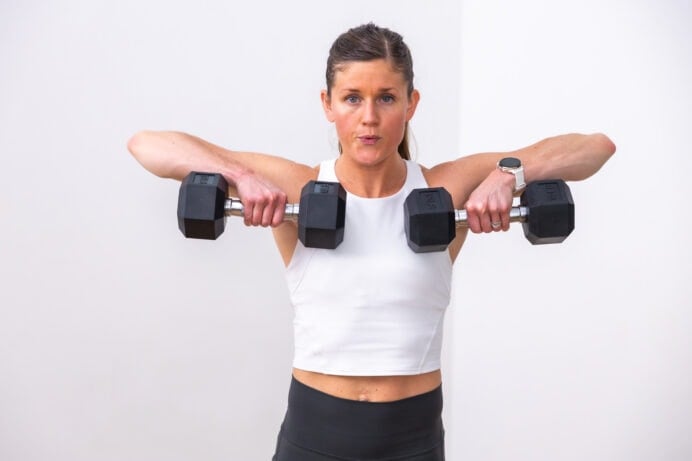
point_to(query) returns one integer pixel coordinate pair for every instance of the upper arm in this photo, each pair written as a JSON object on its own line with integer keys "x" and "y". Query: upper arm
{"x": 461, "y": 176}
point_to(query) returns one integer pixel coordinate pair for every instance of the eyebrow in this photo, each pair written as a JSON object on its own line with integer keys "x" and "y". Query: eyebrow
{"x": 380, "y": 90}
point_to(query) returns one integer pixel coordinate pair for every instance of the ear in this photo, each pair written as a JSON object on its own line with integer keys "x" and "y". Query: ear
{"x": 412, "y": 104}
{"x": 327, "y": 105}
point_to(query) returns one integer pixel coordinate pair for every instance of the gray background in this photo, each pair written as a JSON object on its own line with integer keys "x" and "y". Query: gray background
{"x": 119, "y": 339}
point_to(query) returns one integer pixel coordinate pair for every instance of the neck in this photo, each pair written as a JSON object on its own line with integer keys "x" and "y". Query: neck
{"x": 371, "y": 181}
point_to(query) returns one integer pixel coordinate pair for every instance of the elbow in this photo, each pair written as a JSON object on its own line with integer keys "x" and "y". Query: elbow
{"x": 604, "y": 145}
{"x": 137, "y": 144}
{"x": 599, "y": 148}
{"x": 146, "y": 149}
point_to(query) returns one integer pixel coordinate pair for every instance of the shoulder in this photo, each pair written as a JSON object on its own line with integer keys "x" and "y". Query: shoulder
{"x": 299, "y": 175}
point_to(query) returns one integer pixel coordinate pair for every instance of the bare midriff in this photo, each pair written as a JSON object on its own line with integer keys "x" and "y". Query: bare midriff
{"x": 370, "y": 388}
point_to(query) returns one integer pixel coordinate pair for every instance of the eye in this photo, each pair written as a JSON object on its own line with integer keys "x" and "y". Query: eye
{"x": 352, "y": 99}
{"x": 387, "y": 98}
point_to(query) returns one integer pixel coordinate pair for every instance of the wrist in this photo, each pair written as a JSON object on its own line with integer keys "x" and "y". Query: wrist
{"x": 513, "y": 169}
{"x": 237, "y": 173}
{"x": 506, "y": 179}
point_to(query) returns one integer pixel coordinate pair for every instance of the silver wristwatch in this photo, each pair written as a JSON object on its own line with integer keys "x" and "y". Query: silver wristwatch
{"x": 513, "y": 165}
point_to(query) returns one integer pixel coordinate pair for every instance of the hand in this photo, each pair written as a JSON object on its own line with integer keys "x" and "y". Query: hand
{"x": 488, "y": 205}
{"x": 263, "y": 202}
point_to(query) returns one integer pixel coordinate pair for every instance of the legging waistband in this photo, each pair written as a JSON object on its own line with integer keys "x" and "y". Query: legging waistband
{"x": 329, "y": 424}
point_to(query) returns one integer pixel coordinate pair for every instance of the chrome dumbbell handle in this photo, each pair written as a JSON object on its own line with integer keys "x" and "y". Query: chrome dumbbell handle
{"x": 234, "y": 207}
{"x": 516, "y": 214}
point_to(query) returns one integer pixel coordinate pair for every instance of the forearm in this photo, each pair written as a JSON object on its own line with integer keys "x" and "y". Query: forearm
{"x": 572, "y": 157}
{"x": 487, "y": 193}
{"x": 170, "y": 154}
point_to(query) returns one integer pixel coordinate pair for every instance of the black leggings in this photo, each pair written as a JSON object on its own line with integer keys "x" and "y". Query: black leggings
{"x": 320, "y": 427}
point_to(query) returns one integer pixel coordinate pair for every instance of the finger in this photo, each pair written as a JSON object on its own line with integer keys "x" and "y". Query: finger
{"x": 496, "y": 221}
{"x": 268, "y": 215}
{"x": 499, "y": 220}
{"x": 253, "y": 213}
{"x": 499, "y": 215}
{"x": 248, "y": 210}
{"x": 472, "y": 221}
{"x": 278, "y": 216}
{"x": 257, "y": 213}
{"x": 495, "y": 216}
{"x": 279, "y": 211}
{"x": 504, "y": 214}
{"x": 505, "y": 221}
{"x": 486, "y": 223}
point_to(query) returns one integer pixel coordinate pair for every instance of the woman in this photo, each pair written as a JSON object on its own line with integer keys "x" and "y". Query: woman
{"x": 366, "y": 378}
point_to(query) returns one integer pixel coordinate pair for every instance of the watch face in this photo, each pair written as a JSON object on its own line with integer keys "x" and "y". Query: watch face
{"x": 510, "y": 162}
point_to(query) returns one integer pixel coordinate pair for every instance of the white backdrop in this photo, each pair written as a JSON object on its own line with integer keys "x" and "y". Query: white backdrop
{"x": 580, "y": 351}
{"x": 119, "y": 339}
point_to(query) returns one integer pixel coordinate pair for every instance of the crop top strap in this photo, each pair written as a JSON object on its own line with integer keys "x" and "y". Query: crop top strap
{"x": 327, "y": 171}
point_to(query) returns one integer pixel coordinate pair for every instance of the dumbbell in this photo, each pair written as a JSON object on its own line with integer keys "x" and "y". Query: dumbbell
{"x": 203, "y": 208}
{"x": 546, "y": 214}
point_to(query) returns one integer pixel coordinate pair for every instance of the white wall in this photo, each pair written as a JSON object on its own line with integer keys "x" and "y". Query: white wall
{"x": 119, "y": 339}
{"x": 580, "y": 351}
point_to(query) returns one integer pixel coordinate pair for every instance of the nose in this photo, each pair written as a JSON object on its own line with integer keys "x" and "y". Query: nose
{"x": 370, "y": 116}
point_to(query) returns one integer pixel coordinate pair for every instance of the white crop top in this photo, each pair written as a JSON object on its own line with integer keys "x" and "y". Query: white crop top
{"x": 371, "y": 307}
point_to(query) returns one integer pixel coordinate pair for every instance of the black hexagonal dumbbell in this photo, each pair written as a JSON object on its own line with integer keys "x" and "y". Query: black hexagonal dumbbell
{"x": 203, "y": 208}
{"x": 546, "y": 214}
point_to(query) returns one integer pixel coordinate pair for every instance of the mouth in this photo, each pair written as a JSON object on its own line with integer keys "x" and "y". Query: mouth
{"x": 368, "y": 139}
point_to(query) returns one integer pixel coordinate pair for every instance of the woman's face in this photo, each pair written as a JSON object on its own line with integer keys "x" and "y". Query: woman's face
{"x": 369, "y": 107}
